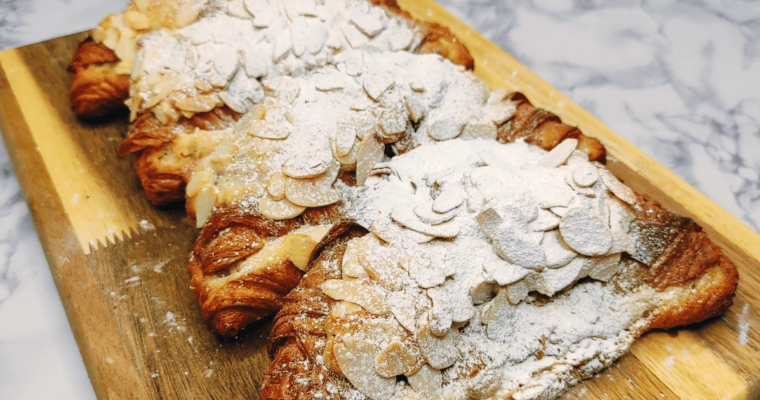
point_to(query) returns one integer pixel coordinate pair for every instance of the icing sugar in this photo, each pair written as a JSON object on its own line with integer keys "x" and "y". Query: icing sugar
{"x": 484, "y": 328}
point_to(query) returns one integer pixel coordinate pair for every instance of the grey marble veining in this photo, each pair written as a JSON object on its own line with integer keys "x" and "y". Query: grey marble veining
{"x": 679, "y": 79}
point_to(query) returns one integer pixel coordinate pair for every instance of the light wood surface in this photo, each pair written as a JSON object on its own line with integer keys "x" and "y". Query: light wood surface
{"x": 126, "y": 289}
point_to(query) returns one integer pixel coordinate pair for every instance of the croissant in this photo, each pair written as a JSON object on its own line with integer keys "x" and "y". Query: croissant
{"x": 96, "y": 89}
{"x": 322, "y": 346}
{"x": 169, "y": 147}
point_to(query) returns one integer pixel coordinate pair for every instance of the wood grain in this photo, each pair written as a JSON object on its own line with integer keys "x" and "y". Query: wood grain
{"x": 126, "y": 290}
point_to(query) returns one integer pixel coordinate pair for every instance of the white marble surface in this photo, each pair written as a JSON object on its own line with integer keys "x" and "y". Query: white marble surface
{"x": 680, "y": 79}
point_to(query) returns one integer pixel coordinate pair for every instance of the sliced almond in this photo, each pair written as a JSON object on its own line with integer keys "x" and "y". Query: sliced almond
{"x": 585, "y": 176}
{"x": 584, "y": 231}
{"x": 200, "y": 103}
{"x": 345, "y": 136}
{"x": 279, "y": 210}
{"x": 276, "y": 186}
{"x": 404, "y": 309}
{"x": 425, "y": 272}
{"x": 559, "y": 154}
{"x": 111, "y": 38}
{"x": 445, "y": 129}
{"x": 354, "y": 356}
{"x": 393, "y": 124}
{"x": 498, "y": 113}
{"x": 302, "y": 244}
{"x": 188, "y": 13}
{"x": 314, "y": 192}
{"x": 136, "y": 20}
{"x": 365, "y": 124}
{"x": 371, "y": 151}
{"x": 620, "y": 191}
{"x": 503, "y": 272}
{"x": 497, "y": 95}
{"x": 307, "y": 194}
{"x": 371, "y": 23}
{"x": 399, "y": 358}
{"x": 427, "y": 381}
{"x": 426, "y": 214}
{"x": 142, "y": 5}
{"x": 476, "y": 129}
{"x": 439, "y": 351}
{"x": 353, "y": 259}
{"x": 371, "y": 297}
{"x": 415, "y": 107}
{"x": 558, "y": 253}
{"x": 391, "y": 233}
{"x": 404, "y": 215}
{"x": 375, "y": 84}
{"x": 274, "y": 130}
{"x": 99, "y": 34}
{"x": 204, "y": 205}
{"x": 307, "y": 166}
{"x": 451, "y": 197}
{"x": 604, "y": 268}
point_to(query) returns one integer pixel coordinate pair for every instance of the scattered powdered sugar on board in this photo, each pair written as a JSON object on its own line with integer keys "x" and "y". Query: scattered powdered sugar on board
{"x": 669, "y": 361}
{"x": 744, "y": 325}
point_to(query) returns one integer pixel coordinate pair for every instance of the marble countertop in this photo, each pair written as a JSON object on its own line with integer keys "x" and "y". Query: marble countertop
{"x": 680, "y": 79}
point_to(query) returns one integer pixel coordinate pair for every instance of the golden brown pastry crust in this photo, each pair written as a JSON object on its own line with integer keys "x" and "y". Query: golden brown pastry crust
{"x": 231, "y": 235}
{"x": 162, "y": 174}
{"x": 299, "y": 328}
{"x": 96, "y": 90}
{"x": 544, "y": 129}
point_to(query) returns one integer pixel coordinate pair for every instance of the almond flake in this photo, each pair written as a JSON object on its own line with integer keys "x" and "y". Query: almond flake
{"x": 558, "y": 253}
{"x": 497, "y": 95}
{"x": 546, "y": 221}
{"x": 279, "y": 210}
{"x": 371, "y": 23}
{"x": 440, "y": 351}
{"x": 449, "y": 199}
{"x": 301, "y": 245}
{"x": 585, "y": 232}
{"x": 404, "y": 215}
{"x": 391, "y": 233}
{"x": 376, "y": 83}
{"x": 309, "y": 193}
{"x": 585, "y": 176}
{"x": 371, "y": 151}
{"x": 354, "y": 356}
{"x": 276, "y": 186}
{"x": 427, "y": 381}
{"x": 393, "y": 122}
{"x": 370, "y": 297}
{"x": 426, "y": 214}
{"x": 559, "y": 154}
{"x": 503, "y": 272}
{"x": 354, "y": 37}
{"x": 399, "y": 359}
{"x": 425, "y": 272}
{"x": 498, "y": 113}
{"x": 307, "y": 166}
{"x": 415, "y": 107}
{"x": 620, "y": 191}
{"x": 603, "y": 268}
{"x": 445, "y": 129}
{"x": 201, "y": 103}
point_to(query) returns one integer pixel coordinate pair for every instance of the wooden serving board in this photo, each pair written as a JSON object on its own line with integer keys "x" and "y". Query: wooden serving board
{"x": 120, "y": 264}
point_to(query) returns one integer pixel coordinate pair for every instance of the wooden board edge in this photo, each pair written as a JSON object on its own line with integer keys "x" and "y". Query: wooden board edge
{"x": 105, "y": 359}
